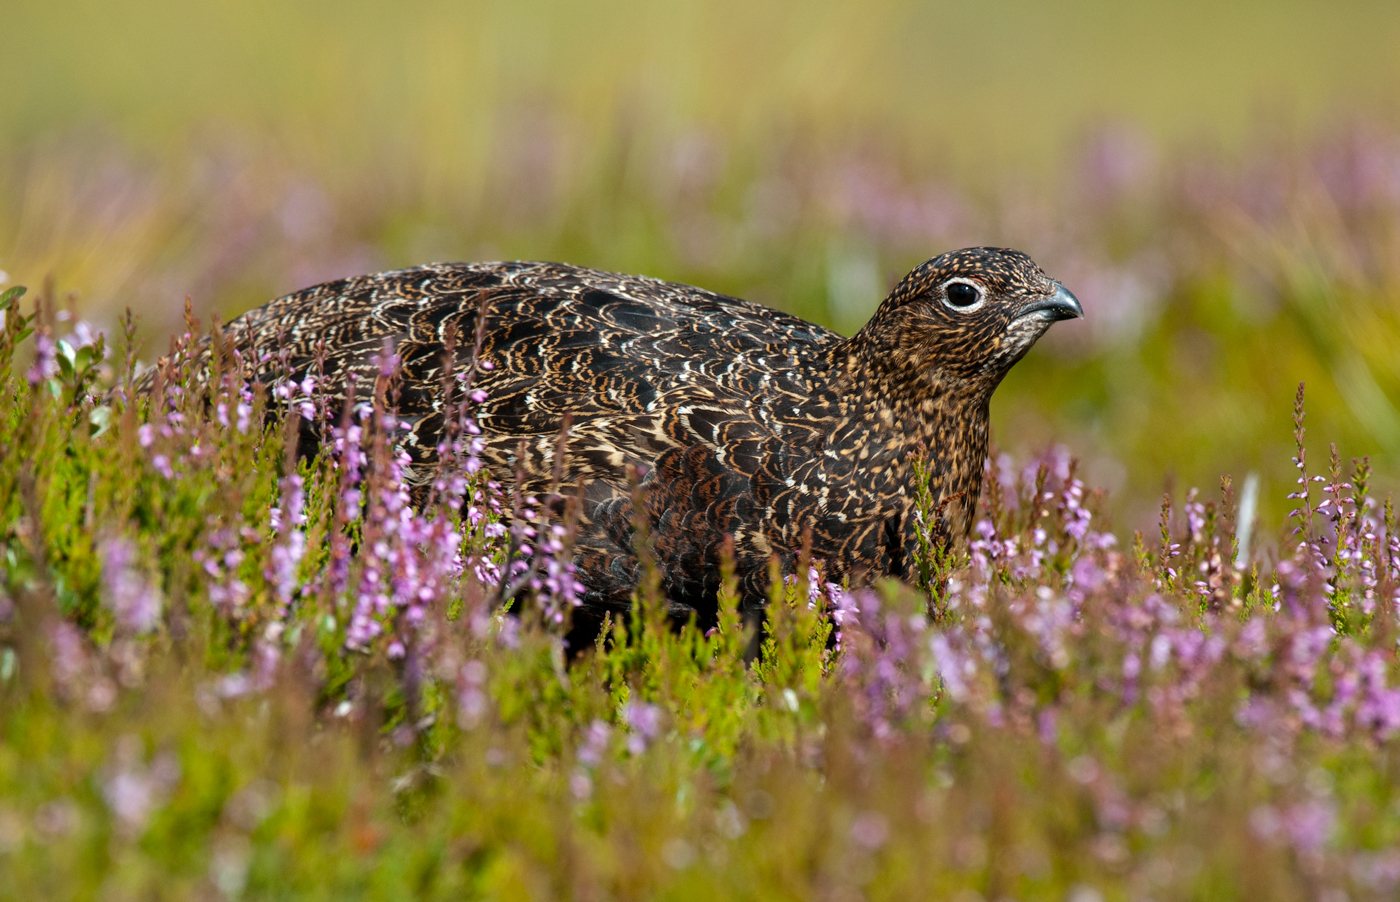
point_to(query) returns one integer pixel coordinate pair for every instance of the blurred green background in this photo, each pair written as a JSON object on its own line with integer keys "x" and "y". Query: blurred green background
{"x": 1219, "y": 183}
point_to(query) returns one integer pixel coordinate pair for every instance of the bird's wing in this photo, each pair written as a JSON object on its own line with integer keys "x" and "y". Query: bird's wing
{"x": 699, "y": 391}
{"x": 723, "y": 473}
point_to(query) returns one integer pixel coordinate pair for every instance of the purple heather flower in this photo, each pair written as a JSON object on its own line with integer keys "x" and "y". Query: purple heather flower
{"x": 83, "y": 335}
{"x": 471, "y": 693}
{"x": 954, "y": 668}
{"x": 644, "y": 720}
{"x": 130, "y": 595}
{"x": 45, "y": 360}
{"x": 595, "y": 743}
{"x": 509, "y": 635}
{"x": 133, "y": 790}
{"x": 68, "y": 656}
{"x": 1306, "y": 826}
{"x": 870, "y": 830}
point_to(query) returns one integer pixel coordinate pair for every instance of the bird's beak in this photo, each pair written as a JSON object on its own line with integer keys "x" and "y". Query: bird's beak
{"x": 1062, "y": 304}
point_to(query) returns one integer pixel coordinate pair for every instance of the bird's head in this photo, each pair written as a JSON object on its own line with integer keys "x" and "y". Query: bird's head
{"x": 966, "y": 317}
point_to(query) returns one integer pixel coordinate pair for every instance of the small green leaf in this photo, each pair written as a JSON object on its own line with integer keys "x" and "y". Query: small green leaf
{"x": 100, "y": 419}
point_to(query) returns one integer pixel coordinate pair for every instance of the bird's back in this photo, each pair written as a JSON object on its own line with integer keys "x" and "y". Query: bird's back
{"x": 559, "y": 336}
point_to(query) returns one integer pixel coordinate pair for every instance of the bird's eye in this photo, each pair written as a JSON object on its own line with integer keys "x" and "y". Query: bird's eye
{"x": 962, "y": 294}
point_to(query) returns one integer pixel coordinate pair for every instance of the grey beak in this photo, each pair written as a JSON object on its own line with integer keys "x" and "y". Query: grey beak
{"x": 1062, "y": 304}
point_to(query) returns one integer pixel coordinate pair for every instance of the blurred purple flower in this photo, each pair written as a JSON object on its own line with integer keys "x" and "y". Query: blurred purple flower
{"x": 870, "y": 830}
{"x": 471, "y": 694}
{"x": 1306, "y": 826}
{"x": 595, "y": 743}
{"x": 134, "y": 789}
{"x": 45, "y": 365}
{"x": 644, "y": 721}
{"x": 128, "y": 593}
{"x": 68, "y": 655}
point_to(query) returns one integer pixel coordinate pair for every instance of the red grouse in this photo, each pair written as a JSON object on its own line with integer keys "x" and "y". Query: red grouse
{"x": 742, "y": 421}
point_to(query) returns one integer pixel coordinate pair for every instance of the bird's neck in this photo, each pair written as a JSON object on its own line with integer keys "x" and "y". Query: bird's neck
{"x": 916, "y": 391}
{"x": 910, "y": 412}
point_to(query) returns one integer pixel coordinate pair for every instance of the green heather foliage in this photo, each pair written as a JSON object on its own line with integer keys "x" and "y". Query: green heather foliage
{"x": 227, "y": 672}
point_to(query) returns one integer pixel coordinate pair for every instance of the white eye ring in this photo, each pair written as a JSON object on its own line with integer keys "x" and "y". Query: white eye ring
{"x": 975, "y": 286}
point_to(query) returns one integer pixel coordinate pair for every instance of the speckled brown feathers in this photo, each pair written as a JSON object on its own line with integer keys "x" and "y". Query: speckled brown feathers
{"x": 742, "y": 421}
